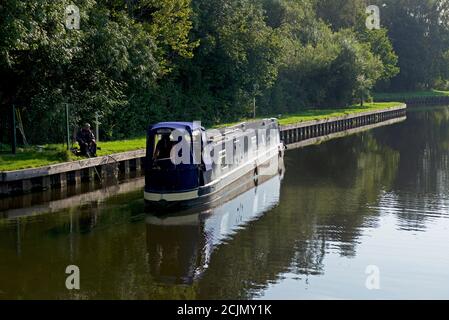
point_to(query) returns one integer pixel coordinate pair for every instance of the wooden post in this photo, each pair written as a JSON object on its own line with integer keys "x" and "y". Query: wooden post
{"x": 254, "y": 107}
{"x": 67, "y": 125}
{"x": 63, "y": 180}
{"x": 97, "y": 127}
{"x": 126, "y": 169}
{"x": 104, "y": 173}
{"x": 91, "y": 173}
{"x": 46, "y": 182}
{"x": 115, "y": 170}
{"x": 138, "y": 166}
{"x": 14, "y": 136}
{"x": 77, "y": 177}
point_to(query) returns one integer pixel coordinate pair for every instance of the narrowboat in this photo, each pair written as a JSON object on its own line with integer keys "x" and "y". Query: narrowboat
{"x": 188, "y": 166}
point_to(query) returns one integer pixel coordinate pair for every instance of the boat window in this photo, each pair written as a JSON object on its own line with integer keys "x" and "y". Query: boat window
{"x": 253, "y": 144}
{"x": 197, "y": 146}
{"x": 164, "y": 141}
{"x": 222, "y": 155}
{"x": 239, "y": 149}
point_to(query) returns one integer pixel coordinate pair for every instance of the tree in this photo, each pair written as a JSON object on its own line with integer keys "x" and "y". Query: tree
{"x": 321, "y": 67}
{"x": 169, "y": 23}
{"x": 341, "y": 14}
{"x": 419, "y": 32}
{"x": 110, "y": 65}
{"x": 381, "y": 46}
{"x": 237, "y": 50}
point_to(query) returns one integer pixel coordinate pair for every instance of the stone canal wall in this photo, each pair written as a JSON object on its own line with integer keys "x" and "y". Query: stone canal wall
{"x": 341, "y": 134}
{"x": 59, "y": 176}
{"x": 308, "y": 132}
{"x": 72, "y": 173}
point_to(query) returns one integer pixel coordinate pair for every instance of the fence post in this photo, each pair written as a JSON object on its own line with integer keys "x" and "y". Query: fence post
{"x": 67, "y": 125}
{"x": 97, "y": 127}
{"x": 14, "y": 137}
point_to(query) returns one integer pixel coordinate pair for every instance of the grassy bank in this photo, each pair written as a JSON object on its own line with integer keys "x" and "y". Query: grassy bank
{"x": 320, "y": 114}
{"x": 52, "y": 154}
{"x": 402, "y": 96}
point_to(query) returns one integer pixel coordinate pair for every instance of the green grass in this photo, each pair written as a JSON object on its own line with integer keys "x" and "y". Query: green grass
{"x": 31, "y": 158}
{"x": 320, "y": 114}
{"x": 398, "y": 96}
{"x": 121, "y": 146}
{"x": 52, "y": 154}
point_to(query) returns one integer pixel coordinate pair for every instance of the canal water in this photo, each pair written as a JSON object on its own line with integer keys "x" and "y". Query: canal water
{"x": 363, "y": 217}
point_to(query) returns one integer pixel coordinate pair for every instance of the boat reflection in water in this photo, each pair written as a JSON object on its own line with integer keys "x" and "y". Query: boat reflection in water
{"x": 180, "y": 246}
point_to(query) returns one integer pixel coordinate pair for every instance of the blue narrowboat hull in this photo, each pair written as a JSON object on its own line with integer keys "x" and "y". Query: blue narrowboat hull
{"x": 223, "y": 189}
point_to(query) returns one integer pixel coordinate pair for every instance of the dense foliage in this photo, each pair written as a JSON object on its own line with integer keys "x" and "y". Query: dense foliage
{"x": 419, "y": 31}
{"x": 136, "y": 62}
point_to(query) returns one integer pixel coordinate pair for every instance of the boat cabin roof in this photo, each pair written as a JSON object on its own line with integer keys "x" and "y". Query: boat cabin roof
{"x": 174, "y": 125}
{"x": 191, "y": 126}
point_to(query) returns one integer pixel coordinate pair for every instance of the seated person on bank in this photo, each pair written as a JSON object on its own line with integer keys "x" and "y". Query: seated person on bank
{"x": 163, "y": 148}
{"x": 86, "y": 141}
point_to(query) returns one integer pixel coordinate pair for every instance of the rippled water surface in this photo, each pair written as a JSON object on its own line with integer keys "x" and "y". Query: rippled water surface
{"x": 376, "y": 202}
